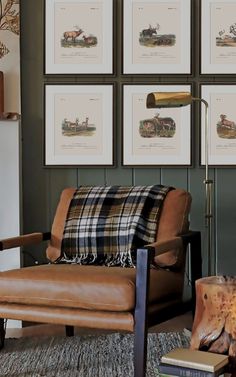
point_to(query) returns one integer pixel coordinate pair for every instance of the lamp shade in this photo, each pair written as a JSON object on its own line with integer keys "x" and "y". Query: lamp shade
{"x": 168, "y": 99}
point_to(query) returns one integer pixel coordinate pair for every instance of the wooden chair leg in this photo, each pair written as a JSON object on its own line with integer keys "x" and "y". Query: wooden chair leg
{"x": 140, "y": 316}
{"x": 2, "y": 332}
{"x": 69, "y": 330}
{"x": 194, "y": 239}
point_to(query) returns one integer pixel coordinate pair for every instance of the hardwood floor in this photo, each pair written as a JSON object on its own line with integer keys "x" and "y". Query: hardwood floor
{"x": 175, "y": 324}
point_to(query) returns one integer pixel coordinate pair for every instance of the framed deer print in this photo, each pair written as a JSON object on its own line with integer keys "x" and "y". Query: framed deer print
{"x": 78, "y": 125}
{"x": 78, "y": 36}
{"x": 155, "y": 136}
{"x": 156, "y": 36}
{"x": 222, "y": 124}
{"x": 218, "y": 36}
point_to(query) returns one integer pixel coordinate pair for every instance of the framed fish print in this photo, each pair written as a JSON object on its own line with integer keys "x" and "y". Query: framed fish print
{"x": 218, "y": 36}
{"x": 222, "y": 124}
{"x": 78, "y": 36}
{"x": 78, "y": 125}
{"x": 155, "y": 136}
{"x": 157, "y": 36}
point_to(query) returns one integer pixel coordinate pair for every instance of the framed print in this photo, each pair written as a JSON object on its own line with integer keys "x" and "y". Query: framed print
{"x": 156, "y": 36}
{"x": 218, "y": 36}
{"x": 78, "y": 125}
{"x": 222, "y": 124}
{"x": 78, "y": 36}
{"x": 155, "y": 136}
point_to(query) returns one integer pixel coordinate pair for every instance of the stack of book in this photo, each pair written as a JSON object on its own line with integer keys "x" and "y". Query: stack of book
{"x": 191, "y": 363}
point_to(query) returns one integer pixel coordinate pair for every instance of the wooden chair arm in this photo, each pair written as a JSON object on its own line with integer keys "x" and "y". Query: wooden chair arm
{"x": 24, "y": 240}
{"x": 146, "y": 255}
{"x": 191, "y": 237}
{"x": 166, "y": 245}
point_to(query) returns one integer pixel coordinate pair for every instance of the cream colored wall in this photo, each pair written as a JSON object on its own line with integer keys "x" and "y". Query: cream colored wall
{"x": 9, "y": 132}
{"x": 10, "y": 191}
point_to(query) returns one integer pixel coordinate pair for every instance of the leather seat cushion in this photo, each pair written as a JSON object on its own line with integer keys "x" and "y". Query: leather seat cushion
{"x": 85, "y": 287}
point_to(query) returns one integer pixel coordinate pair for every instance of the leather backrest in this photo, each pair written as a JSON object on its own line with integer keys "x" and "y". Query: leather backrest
{"x": 54, "y": 248}
{"x": 173, "y": 222}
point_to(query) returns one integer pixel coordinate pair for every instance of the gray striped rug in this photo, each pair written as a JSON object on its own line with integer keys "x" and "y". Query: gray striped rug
{"x": 83, "y": 356}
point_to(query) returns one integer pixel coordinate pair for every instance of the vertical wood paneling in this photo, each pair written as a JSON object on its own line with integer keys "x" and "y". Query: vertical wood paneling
{"x": 175, "y": 177}
{"x": 226, "y": 220}
{"x": 42, "y": 186}
{"x": 148, "y": 176}
{"x": 119, "y": 176}
{"x": 59, "y": 179}
{"x": 89, "y": 176}
{"x": 197, "y": 219}
{"x": 36, "y": 206}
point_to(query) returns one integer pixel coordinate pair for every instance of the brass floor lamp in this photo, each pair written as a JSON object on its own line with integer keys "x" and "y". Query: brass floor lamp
{"x": 179, "y": 99}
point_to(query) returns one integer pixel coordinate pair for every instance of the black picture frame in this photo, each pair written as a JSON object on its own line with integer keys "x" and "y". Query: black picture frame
{"x": 79, "y": 125}
{"x": 137, "y": 152}
{"x": 151, "y": 66}
{"x": 221, "y": 124}
{"x": 80, "y": 58}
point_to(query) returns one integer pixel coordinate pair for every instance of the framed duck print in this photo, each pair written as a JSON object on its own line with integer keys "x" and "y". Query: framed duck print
{"x": 156, "y": 36}
{"x": 78, "y": 36}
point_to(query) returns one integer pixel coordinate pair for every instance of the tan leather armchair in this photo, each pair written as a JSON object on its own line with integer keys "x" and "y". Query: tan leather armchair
{"x": 114, "y": 298}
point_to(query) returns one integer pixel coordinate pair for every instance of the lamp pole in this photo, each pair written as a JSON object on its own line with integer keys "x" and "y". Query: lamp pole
{"x": 179, "y": 99}
{"x": 208, "y": 193}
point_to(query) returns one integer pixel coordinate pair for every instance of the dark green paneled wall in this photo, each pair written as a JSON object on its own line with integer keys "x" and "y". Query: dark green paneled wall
{"x": 42, "y": 186}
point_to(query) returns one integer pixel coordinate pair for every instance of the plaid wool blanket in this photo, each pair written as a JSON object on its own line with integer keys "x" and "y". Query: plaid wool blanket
{"x": 105, "y": 224}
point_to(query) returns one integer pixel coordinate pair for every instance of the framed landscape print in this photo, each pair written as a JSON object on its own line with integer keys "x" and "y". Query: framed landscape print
{"x": 222, "y": 124}
{"x": 218, "y": 36}
{"x": 78, "y": 125}
{"x": 78, "y": 36}
{"x": 156, "y": 36}
{"x": 155, "y": 136}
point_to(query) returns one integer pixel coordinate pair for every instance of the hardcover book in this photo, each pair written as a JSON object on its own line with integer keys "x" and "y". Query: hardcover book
{"x": 176, "y": 370}
{"x": 195, "y": 359}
